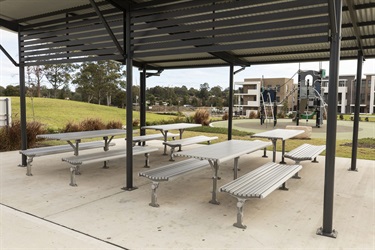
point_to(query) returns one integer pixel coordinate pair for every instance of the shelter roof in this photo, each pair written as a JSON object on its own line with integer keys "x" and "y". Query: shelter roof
{"x": 182, "y": 34}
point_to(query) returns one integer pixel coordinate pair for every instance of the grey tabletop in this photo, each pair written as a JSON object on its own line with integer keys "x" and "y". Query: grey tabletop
{"x": 223, "y": 151}
{"x": 282, "y": 134}
{"x": 174, "y": 126}
{"x": 83, "y": 134}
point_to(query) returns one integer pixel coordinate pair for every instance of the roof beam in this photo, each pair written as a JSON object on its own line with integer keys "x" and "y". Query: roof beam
{"x": 9, "y": 25}
{"x": 105, "y": 24}
{"x": 229, "y": 58}
{"x": 353, "y": 17}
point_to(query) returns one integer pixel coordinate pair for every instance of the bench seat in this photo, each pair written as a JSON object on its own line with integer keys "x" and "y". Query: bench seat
{"x": 305, "y": 152}
{"x": 77, "y": 161}
{"x": 258, "y": 184}
{"x": 143, "y": 138}
{"x": 36, "y": 152}
{"x": 172, "y": 170}
{"x": 187, "y": 141}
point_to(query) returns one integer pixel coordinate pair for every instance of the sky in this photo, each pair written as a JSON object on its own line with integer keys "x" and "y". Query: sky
{"x": 217, "y": 76}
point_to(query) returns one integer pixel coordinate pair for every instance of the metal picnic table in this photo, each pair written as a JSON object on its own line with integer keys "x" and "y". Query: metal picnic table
{"x": 74, "y": 138}
{"x": 274, "y": 135}
{"x": 223, "y": 151}
{"x": 164, "y": 128}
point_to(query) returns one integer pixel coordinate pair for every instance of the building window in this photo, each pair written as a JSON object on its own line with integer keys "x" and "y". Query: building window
{"x": 278, "y": 88}
{"x": 342, "y": 83}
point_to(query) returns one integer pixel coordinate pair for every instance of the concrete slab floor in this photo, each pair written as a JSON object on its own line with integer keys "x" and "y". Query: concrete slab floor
{"x": 43, "y": 212}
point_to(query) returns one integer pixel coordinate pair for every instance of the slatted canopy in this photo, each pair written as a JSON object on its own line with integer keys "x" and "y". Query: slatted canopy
{"x": 180, "y": 34}
{"x": 169, "y": 34}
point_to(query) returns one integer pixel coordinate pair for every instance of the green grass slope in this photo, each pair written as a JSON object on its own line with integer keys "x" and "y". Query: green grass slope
{"x": 56, "y": 113}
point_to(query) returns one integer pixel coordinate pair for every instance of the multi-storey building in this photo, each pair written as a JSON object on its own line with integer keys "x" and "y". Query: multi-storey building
{"x": 248, "y": 98}
{"x": 347, "y": 93}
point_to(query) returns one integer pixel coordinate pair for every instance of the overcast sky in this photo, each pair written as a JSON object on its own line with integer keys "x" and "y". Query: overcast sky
{"x": 190, "y": 77}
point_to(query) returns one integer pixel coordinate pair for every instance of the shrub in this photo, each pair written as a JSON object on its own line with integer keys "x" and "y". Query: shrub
{"x": 114, "y": 125}
{"x": 366, "y": 119}
{"x": 202, "y": 116}
{"x": 225, "y": 116}
{"x": 136, "y": 122}
{"x": 341, "y": 117}
{"x": 71, "y": 127}
{"x": 253, "y": 114}
{"x": 91, "y": 124}
{"x": 11, "y": 137}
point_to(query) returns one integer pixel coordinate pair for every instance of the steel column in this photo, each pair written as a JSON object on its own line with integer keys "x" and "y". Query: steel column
{"x": 22, "y": 102}
{"x": 129, "y": 102}
{"x": 143, "y": 100}
{"x": 356, "y": 111}
{"x": 230, "y": 102}
{"x": 335, "y": 7}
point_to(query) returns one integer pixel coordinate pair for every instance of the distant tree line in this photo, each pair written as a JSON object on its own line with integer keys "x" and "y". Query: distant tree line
{"x": 104, "y": 83}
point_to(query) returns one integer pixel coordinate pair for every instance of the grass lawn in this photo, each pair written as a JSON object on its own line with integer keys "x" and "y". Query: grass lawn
{"x": 56, "y": 113}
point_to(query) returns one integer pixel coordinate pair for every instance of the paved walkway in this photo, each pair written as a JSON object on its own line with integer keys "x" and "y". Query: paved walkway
{"x": 43, "y": 212}
{"x": 344, "y": 128}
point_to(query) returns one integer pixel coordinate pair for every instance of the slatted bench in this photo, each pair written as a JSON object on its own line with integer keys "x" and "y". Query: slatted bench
{"x": 305, "y": 152}
{"x": 77, "y": 161}
{"x": 167, "y": 172}
{"x": 258, "y": 184}
{"x": 143, "y": 138}
{"x": 36, "y": 152}
{"x": 187, "y": 141}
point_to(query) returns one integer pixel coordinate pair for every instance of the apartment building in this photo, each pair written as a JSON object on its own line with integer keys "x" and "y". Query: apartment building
{"x": 248, "y": 97}
{"x": 347, "y": 93}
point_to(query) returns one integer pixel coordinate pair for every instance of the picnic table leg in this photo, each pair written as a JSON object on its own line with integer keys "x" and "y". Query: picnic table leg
{"x": 274, "y": 150}
{"x": 265, "y": 153}
{"x": 165, "y": 134}
{"x": 282, "y": 153}
{"x": 154, "y": 197}
{"x": 181, "y": 132}
{"x": 73, "y": 172}
{"x": 235, "y": 169}
{"x": 215, "y": 168}
{"x": 239, "y": 223}
{"x": 28, "y": 166}
{"x": 147, "y": 160}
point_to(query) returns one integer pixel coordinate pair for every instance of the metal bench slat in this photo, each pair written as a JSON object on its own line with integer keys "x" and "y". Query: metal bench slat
{"x": 106, "y": 155}
{"x": 166, "y": 172}
{"x": 260, "y": 182}
{"x": 174, "y": 169}
{"x": 190, "y": 140}
{"x": 143, "y": 138}
{"x": 305, "y": 152}
{"x": 61, "y": 148}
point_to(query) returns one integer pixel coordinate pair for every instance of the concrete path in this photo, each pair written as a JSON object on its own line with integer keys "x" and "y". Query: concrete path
{"x": 43, "y": 212}
{"x": 344, "y": 128}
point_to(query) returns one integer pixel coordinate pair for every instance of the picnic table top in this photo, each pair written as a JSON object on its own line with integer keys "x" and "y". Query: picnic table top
{"x": 174, "y": 126}
{"x": 225, "y": 150}
{"x": 283, "y": 134}
{"x": 83, "y": 134}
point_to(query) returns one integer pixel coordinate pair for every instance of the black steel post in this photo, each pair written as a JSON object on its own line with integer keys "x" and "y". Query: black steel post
{"x": 22, "y": 102}
{"x": 356, "y": 111}
{"x": 230, "y": 102}
{"x": 143, "y": 100}
{"x": 298, "y": 98}
{"x": 329, "y": 173}
{"x": 129, "y": 102}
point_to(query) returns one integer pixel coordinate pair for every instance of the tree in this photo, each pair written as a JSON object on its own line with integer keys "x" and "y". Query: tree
{"x": 204, "y": 93}
{"x": 35, "y": 75}
{"x": 59, "y": 75}
{"x": 12, "y": 91}
{"x": 98, "y": 80}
